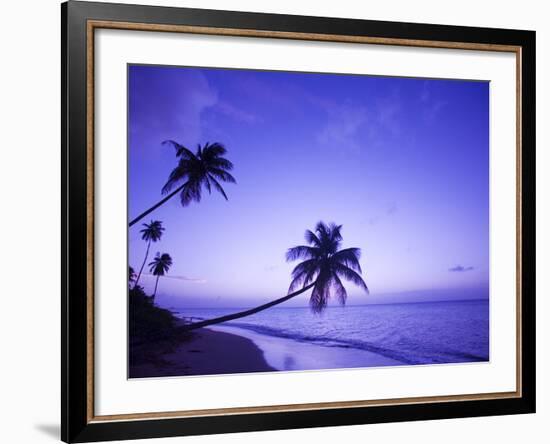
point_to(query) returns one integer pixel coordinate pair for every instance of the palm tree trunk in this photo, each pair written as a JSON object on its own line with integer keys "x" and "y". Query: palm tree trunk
{"x": 242, "y": 314}
{"x": 158, "y": 204}
{"x": 143, "y": 265}
{"x": 156, "y": 285}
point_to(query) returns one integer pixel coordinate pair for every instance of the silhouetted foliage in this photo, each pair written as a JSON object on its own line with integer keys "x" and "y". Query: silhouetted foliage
{"x": 205, "y": 168}
{"x": 131, "y": 276}
{"x": 325, "y": 264}
{"x": 148, "y": 323}
{"x": 159, "y": 267}
{"x": 151, "y": 232}
{"x": 154, "y": 332}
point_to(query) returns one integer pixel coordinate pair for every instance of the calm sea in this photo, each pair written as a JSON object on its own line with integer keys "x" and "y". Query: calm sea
{"x": 411, "y": 333}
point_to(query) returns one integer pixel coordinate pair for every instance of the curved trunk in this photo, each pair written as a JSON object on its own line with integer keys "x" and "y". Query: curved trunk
{"x": 143, "y": 265}
{"x": 242, "y": 314}
{"x": 158, "y": 204}
{"x": 156, "y": 285}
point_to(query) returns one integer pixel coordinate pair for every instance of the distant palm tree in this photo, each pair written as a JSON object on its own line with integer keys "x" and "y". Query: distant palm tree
{"x": 131, "y": 275}
{"x": 204, "y": 168}
{"x": 159, "y": 267}
{"x": 151, "y": 233}
{"x": 322, "y": 269}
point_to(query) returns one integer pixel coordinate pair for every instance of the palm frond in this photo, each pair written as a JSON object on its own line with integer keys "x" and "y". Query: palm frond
{"x": 311, "y": 238}
{"x": 339, "y": 289}
{"x": 350, "y": 275}
{"x": 205, "y": 168}
{"x": 160, "y": 264}
{"x": 191, "y": 192}
{"x": 335, "y": 231}
{"x": 221, "y": 175}
{"x": 181, "y": 151}
{"x": 220, "y": 162}
{"x": 324, "y": 264}
{"x": 152, "y": 231}
{"x": 320, "y": 295}
{"x": 321, "y": 229}
{"x": 329, "y": 236}
{"x": 218, "y": 186}
{"x": 303, "y": 274}
{"x": 297, "y": 282}
{"x": 302, "y": 252}
{"x": 317, "y": 301}
{"x": 207, "y": 184}
{"x": 305, "y": 267}
{"x": 213, "y": 150}
{"x": 178, "y": 174}
{"x": 349, "y": 257}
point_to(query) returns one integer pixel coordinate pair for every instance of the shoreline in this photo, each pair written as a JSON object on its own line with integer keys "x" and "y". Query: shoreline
{"x": 206, "y": 352}
{"x": 286, "y": 354}
{"x": 223, "y": 350}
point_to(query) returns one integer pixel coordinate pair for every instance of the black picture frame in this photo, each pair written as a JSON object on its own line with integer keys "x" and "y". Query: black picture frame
{"x": 76, "y": 423}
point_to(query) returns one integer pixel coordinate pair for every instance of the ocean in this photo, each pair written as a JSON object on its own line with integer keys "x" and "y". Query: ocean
{"x": 294, "y": 338}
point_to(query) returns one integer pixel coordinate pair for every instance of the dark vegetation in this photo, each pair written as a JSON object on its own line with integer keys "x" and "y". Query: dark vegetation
{"x": 153, "y": 331}
{"x": 147, "y": 321}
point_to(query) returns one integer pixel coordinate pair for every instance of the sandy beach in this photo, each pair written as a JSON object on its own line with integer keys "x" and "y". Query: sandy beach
{"x": 228, "y": 350}
{"x": 206, "y": 352}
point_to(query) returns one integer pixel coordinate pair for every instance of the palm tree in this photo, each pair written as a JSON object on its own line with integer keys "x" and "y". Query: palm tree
{"x": 204, "y": 168}
{"x": 159, "y": 267}
{"x": 151, "y": 233}
{"x": 323, "y": 269}
{"x": 324, "y": 265}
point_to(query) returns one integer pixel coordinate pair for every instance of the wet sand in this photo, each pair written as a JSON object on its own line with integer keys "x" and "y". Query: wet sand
{"x": 206, "y": 352}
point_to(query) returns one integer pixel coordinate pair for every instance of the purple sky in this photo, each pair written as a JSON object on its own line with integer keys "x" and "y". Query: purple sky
{"x": 402, "y": 163}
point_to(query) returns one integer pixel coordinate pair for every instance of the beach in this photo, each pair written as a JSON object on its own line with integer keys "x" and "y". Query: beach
{"x": 294, "y": 339}
{"x": 228, "y": 350}
{"x": 286, "y": 354}
{"x": 205, "y": 352}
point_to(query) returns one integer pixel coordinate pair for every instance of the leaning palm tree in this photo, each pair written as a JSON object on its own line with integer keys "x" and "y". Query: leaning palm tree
{"x": 150, "y": 233}
{"x": 159, "y": 267}
{"x": 204, "y": 168}
{"x": 323, "y": 268}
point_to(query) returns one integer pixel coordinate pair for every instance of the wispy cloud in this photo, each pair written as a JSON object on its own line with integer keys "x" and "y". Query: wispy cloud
{"x": 432, "y": 106}
{"x": 235, "y": 113}
{"x": 392, "y": 209}
{"x": 344, "y": 122}
{"x": 157, "y": 111}
{"x": 349, "y": 122}
{"x": 387, "y": 111}
{"x": 281, "y": 95}
{"x": 175, "y": 104}
{"x": 383, "y": 214}
{"x": 179, "y": 278}
{"x": 373, "y": 220}
{"x": 460, "y": 269}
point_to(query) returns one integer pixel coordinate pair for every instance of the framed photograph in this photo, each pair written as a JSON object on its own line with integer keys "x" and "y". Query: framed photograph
{"x": 276, "y": 221}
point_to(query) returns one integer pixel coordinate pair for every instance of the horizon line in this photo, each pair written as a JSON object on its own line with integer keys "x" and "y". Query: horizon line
{"x": 349, "y": 305}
